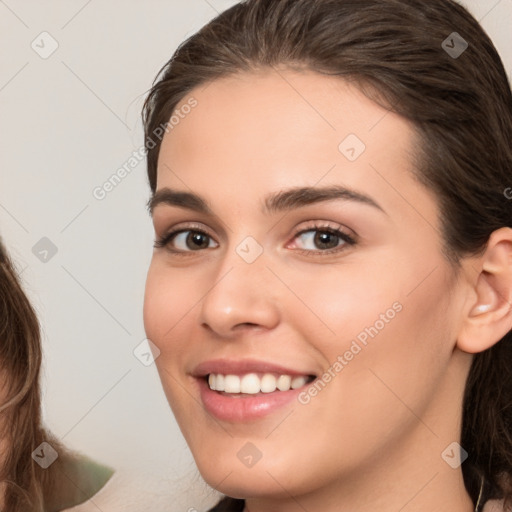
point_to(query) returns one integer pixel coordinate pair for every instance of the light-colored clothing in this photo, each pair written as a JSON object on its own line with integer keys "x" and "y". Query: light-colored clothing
{"x": 494, "y": 506}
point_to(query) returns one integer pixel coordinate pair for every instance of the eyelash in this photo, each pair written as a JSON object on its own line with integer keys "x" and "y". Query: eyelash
{"x": 348, "y": 240}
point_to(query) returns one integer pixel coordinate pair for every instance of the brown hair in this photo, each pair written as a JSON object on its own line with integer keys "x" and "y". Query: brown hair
{"x": 460, "y": 105}
{"x": 26, "y": 485}
{"x": 20, "y": 360}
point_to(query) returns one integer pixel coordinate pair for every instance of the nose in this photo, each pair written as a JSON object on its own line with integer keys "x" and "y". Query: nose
{"x": 242, "y": 296}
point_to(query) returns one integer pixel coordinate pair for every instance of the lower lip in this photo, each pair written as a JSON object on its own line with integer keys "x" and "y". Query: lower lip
{"x": 244, "y": 408}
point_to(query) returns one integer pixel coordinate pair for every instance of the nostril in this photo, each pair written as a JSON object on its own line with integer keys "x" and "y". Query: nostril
{"x": 245, "y": 325}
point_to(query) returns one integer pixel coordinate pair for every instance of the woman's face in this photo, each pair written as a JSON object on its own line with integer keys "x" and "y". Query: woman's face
{"x": 305, "y": 248}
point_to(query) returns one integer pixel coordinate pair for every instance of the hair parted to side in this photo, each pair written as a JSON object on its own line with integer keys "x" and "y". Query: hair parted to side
{"x": 460, "y": 107}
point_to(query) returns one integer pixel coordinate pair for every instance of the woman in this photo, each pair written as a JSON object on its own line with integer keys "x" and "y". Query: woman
{"x": 38, "y": 473}
{"x": 331, "y": 285}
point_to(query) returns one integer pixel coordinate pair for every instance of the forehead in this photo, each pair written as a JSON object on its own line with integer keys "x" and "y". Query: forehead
{"x": 254, "y": 132}
{"x": 295, "y": 102}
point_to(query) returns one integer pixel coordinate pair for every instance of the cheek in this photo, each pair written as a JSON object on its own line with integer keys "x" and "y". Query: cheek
{"x": 154, "y": 300}
{"x": 342, "y": 303}
{"x": 398, "y": 369}
{"x": 392, "y": 325}
{"x": 405, "y": 350}
{"x": 166, "y": 304}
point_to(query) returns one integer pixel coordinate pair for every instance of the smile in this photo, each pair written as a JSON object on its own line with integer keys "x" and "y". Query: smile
{"x": 245, "y": 390}
{"x": 253, "y": 383}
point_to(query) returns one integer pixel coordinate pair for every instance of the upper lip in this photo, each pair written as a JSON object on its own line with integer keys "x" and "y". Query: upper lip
{"x": 241, "y": 366}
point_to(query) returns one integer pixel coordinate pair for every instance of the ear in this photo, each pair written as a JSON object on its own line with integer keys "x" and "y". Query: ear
{"x": 488, "y": 309}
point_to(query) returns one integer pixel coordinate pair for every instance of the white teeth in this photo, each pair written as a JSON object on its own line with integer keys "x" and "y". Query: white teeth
{"x": 252, "y": 383}
{"x": 284, "y": 382}
{"x": 231, "y": 384}
{"x": 298, "y": 382}
{"x": 268, "y": 383}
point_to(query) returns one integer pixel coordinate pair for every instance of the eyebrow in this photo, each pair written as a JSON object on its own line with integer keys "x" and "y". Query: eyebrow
{"x": 282, "y": 201}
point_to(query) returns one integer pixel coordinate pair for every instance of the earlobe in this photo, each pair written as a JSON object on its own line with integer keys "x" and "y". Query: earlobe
{"x": 489, "y": 316}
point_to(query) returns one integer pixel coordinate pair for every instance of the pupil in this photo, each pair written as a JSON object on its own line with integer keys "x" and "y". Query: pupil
{"x": 198, "y": 240}
{"x": 322, "y": 239}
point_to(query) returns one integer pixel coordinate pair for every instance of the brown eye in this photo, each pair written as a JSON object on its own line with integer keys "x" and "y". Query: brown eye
{"x": 318, "y": 240}
{"x": 186, "y": 240}
{"x": 326, "y": 240}
{"x": 196, "y": 240}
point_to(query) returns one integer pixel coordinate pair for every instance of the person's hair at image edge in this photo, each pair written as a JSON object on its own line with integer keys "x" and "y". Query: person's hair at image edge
{"x": 24, "y": 485}
{"x": 20, "y": 419}
{"x": 461, "y": 108}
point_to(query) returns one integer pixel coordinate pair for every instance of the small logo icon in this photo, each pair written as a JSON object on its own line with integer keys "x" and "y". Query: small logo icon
{"x": 352, "y": 147}
{"x": 44, "y": 45}
{"x": 146, "y": 352}
{"x": 249, "y": 454}
{"x": 454, "y": 455}
{"x": 45, "y": 455}
{"x": 249, "y": 249}
{"x": 455, "y": 45}
{"x": 44, "y": 250}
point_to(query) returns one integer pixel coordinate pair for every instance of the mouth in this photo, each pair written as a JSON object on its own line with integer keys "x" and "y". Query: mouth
{"x": 246, "y": 390}
{"x": 249, "y": 397}
{"x": 251, "y": 384}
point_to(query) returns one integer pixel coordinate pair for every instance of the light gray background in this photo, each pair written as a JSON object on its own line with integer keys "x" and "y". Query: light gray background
{"x": 68, "y": 122}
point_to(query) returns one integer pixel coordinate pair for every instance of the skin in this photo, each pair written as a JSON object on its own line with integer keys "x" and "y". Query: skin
{"x": 372, "y": 439}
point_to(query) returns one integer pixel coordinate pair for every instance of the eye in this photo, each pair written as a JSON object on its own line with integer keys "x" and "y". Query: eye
{"x": 322, "y": 239}
{"x": 318, "y": 240}
{"x": 186, "y": 240}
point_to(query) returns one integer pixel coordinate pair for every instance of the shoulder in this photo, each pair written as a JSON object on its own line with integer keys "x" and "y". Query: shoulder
{"x": 494, "y": 506}
{"x": 74, "y": 478}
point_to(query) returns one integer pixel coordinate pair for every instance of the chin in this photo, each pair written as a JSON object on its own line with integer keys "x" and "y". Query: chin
{"x": 230, "y": 477}
{"x": 236, "y": 486}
